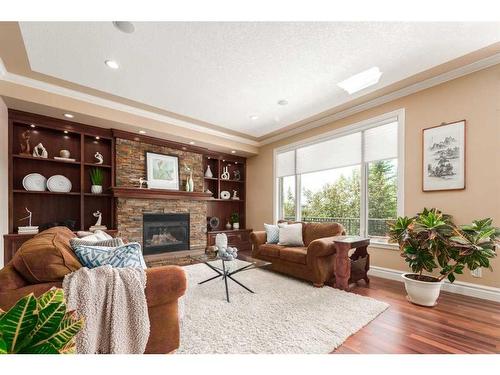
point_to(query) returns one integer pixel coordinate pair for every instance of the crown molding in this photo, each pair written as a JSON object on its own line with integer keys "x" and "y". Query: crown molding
{"x": 77, "y": 95}
{"x": 425, "y": 84}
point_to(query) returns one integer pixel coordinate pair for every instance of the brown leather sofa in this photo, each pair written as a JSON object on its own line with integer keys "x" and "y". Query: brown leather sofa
{"x": 314, "y": 261}
{"x": 42, "y": 262}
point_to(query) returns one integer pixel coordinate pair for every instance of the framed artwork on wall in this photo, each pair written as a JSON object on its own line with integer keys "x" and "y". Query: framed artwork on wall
{"x": 443, "y": 157}
{"x": 162, "y": 171}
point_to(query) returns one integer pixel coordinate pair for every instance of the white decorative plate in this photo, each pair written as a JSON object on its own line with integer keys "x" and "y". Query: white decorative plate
{"x": 34, "y": 182}
{"x": 59, "y": 184}
{"x": 225, "y": 194}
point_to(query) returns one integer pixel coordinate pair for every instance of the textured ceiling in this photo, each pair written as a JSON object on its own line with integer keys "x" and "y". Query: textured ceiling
{"x": 223, "y": 73}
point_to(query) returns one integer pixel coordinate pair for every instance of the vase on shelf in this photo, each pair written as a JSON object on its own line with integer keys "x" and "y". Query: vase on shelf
{"x": 208, "y": 173}
{"x": 96, "y": 189}
{"x": 236, "y": 225}
{"x": 228, "y": 225}
{"x": 191, "y": 182}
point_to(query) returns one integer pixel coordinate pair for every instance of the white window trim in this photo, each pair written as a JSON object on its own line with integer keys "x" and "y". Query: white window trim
{"x": 399, "y": 115}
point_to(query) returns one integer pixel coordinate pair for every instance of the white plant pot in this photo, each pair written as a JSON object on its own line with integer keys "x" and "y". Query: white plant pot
{"x": 236, "y": 225}
{"x": 424, "y": 293}
{"x": 96, "y": 189}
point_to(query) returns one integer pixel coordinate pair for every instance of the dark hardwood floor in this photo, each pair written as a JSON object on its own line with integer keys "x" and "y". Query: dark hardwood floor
{"x": 458, "y": 324}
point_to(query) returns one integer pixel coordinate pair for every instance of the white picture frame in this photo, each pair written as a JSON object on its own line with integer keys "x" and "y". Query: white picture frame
{"x": 162, "y": 171}
{"x": 443, "y": 157}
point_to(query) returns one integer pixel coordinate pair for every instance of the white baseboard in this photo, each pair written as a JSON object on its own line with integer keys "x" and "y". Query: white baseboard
{"x": 458, "y": 287}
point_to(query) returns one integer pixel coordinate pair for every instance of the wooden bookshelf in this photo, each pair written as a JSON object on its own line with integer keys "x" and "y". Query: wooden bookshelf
{"x": 82, "y": 141}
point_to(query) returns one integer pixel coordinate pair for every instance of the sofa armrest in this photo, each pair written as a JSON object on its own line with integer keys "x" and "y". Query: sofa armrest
{"x": 321, "y": 247}
{"x": 164, "y": 284}
{"x": 258, "y": 238}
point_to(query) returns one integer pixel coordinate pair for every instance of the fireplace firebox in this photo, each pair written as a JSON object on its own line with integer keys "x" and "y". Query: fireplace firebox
{"x": 164, "y": 233}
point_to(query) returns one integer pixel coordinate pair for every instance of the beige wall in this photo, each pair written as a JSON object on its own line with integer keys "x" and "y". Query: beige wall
{"x": 475, "y": 98}
{"x": 4, "y": 197}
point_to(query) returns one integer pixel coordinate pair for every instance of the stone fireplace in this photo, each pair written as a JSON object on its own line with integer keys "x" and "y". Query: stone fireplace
{"x": 163, "y": 233}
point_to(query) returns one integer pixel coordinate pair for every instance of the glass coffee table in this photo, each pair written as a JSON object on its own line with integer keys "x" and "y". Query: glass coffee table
{"x": 226, "y": 272}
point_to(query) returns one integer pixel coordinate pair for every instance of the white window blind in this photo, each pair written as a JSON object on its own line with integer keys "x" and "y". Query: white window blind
{"x": 285, "y": 164}
{"x": 381, "y": 142}
{"x": 334, "y": 153}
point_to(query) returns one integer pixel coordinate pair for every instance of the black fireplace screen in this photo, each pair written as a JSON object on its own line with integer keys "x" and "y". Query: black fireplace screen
{"x": 165, "y": 233}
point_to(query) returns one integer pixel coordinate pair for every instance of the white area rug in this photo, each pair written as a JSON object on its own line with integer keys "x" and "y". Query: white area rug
{"x": 284, "y": 315}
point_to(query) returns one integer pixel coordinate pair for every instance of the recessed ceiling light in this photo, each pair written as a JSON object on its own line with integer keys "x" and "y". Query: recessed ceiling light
{"x": 111, "y": 64}
{"x": 65, "y": 132}
{"x": 33, "y": 125}
{"x": 283, "y": 102}
{"x": 142, "y": 132}
{"x": 233, "y": 152}
{"x": 254, "y": 117}
{"x": 97, "y": 138}
{"x": 361, "y": 80}
{"x": 191, "y": 143}
{"x": 68, "y": 115}
{"x": 124, "y": 26}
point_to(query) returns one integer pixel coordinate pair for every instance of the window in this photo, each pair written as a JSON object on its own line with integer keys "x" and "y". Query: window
{"x": 353, "y": 177}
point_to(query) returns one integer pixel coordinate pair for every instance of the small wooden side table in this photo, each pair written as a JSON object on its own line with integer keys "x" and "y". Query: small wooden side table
{"x": 351, "y": 268}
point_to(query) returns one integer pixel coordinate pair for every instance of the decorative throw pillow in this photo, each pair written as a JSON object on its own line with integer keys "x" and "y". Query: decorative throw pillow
{"x": 290, "y": 235}
{"x": 129, "y": 255}
{"x": 98, "y": 235}
{"x": 272, "y": 233}
{"x": 113, "y": 242}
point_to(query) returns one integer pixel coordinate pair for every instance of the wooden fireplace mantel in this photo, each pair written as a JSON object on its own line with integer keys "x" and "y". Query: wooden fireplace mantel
{"x": 131, "y": 192}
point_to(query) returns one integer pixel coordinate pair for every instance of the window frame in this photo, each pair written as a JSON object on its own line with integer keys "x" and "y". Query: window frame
{"x": 397, "y": 115}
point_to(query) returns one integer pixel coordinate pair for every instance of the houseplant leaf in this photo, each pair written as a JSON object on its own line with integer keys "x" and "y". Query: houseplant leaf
{"x": 17, "y": 323}
{"x": 49, "y": 320}
{"x": 50, "y": 296}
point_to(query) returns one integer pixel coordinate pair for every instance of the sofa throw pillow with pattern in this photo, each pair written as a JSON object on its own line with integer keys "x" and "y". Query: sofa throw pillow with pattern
{"x": 129, "y": 255}
{"x": 113, "y": 242}
{"x": 272, "y": 233}
{"x": 290, "y": 235}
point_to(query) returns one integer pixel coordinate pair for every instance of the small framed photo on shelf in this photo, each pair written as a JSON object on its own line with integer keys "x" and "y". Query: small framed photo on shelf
{"x": 162, "y": 171}
{"x": 443, "y": 157}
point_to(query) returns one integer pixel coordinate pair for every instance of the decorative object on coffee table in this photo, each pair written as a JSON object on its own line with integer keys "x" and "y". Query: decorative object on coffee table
{"x": 96, "y": 177}
{"x": 40, "y": 152}
{"x": 25, "y": 143}
{"x": 30, "y": 229}
{"x": 444, "y": 157}
{"x": 59, "y": 184}
{"x": 97, "y": 225}
{"x": 225, "y": 272}
{"x": 99, "y": 158}
{"x": 224, "y": 194}
{"x": 34, "y": 182}
{"x": 162, "y": 171}
{"x": 345, "y": 265}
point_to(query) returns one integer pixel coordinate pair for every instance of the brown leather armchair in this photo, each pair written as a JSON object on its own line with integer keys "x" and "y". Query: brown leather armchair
{"x": 42, "y": 262}
{"x": 315, "y": 261}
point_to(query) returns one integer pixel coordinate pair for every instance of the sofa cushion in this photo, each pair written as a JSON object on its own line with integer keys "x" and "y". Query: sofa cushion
{"x": 313, "y": 231}
{"x": 294, "y": 254}
{"x": 129, "y": 255}
{"x": 47, "y": 256}
{"x": 290, "y": 235}
{"x": 272, "y": 233}
{"x": 270, "y": 250}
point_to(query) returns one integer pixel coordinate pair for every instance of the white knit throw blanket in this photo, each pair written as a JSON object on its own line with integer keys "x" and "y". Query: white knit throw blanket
{"x": 113, "y": 303}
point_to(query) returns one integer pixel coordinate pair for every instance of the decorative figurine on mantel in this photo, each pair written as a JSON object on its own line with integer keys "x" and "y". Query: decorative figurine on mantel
{"x": 189, "y": 180}
{"x": 141, "y": 181}
{"x": 99, "y": 157}
{"x": 29, "y": 229}
{"x": 40, "y": 152}
{"x": 97, "y": 225}
{"x": 25, "y": 143}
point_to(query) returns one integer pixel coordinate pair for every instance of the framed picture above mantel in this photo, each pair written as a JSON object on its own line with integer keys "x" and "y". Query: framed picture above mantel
{"x": 162, "y": 171}
{"x": 443, "y": 157}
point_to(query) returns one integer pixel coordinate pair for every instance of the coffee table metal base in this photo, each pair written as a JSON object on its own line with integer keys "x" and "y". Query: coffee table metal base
{"x": 226, "y": 274}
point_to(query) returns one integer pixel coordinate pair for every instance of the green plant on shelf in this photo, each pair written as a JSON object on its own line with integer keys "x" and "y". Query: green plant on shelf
{"x": 235, "y": 218}
{"x": 96, "y": 176}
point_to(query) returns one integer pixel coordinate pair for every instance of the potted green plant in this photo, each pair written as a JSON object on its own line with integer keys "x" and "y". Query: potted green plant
{"x": 235, "y": 220}
{"x": 96, "y": 177}
{"x": 431, "y": 241}
{"x": 39, "y": 325}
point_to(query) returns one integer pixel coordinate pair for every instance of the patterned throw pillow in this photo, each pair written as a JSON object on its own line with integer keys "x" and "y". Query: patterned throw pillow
{"x": 129, "y": 255}
{"x": 272, "y": 233}
{"x": 113, "y": 242}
